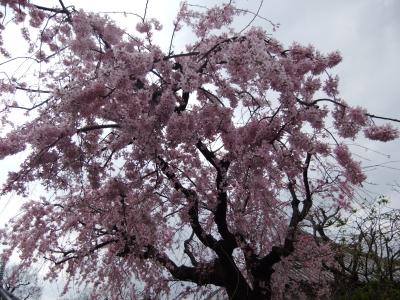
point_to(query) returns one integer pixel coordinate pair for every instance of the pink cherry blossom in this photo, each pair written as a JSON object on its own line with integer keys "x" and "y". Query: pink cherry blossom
{"x": 200, "y": 166}
{"x": 352, "y": 168}
{"x": 382, "y": 133}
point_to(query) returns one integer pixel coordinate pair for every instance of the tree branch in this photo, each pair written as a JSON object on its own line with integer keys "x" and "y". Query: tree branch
{"x": 188, "y": 252}
{"x": 307, "y": 203}
{"x": 95, "y": 127}
{"x": 33, "y": 90}
{"x": 55, "y": 10}
{"x": 66, "y": 11}
{"x": 78, "y": 255}
{"x": 313, "y": 103}
{"x": 201, "y": 274}
{"x": 182, "y": 102}
{"x": 193, "y": 201}
{"x": 264, "y": 265}
{"x": 181, "y": 55}
{"x": 210, "y": 95}
{"x": 221, "y": 166}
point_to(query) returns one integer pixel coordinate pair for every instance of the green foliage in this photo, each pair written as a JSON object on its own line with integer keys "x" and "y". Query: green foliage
{"x": 369, "y": 291}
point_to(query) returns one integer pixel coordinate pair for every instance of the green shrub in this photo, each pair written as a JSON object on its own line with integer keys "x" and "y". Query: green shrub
{"x": 369, "y": 291}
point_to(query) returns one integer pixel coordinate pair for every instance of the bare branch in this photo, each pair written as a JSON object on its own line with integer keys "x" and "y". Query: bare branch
{"x": 194, "y": 53}
{"x": 95, "y": 127}
{"x": 33, "y": 90}
{"x": 313, "y": 103}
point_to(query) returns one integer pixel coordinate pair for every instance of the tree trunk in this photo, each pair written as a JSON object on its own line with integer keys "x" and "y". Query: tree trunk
{"x": 244, "y": 292}
{"x": 239, "y": 294}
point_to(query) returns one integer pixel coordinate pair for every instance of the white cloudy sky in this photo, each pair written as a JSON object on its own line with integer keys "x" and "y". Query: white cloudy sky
{"x": 367, "y": 33}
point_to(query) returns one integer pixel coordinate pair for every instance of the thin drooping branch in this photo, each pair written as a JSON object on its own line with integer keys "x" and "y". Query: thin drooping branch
{"x": 383, "y": 118}
{"x": 145, "y": 10}
{"x": 32, "y": 107}
{"x": 19, "y": 57}
{"x": 313, "y": 103}
{"x": 79, "y": 254}
{"x": 33, "y": 90}
{"x": 254, "y": 17}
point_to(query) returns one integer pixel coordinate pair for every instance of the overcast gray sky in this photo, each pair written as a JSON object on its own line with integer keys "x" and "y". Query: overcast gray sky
{"x": 366, "y": 32}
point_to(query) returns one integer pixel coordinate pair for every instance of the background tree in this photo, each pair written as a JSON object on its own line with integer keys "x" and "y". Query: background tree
{"x": 198, "y": 167}
{"x": 368, "y": 249}
{"x": 23, "y": 284}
